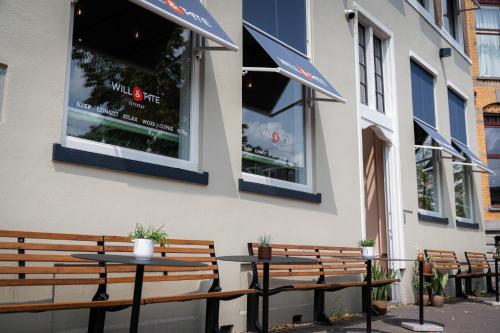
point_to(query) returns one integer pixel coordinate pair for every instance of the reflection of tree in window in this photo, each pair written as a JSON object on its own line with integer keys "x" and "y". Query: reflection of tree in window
{"x": 151, "y": 53}
{"x": 426, "y": 171}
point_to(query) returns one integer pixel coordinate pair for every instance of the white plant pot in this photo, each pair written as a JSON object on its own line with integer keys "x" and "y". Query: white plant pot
{"x": 143, "y": 249}
{"x": 368, "y": 252}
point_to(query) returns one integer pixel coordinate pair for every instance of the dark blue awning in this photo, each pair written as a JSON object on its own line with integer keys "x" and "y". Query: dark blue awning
{"x": 192, "y": 15}
{"x": 438, "y": 138}
{"x": 293, "y": 64}
{"x": 474, "y": 159}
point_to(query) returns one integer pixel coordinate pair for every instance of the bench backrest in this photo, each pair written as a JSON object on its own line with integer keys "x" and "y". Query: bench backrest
{"x": 202, "y": 251}
{"x": 44, "y": 259}
{"x": 477, "y": 262}
{"x": 443, "y": 260}
{"x": 332, "y": 261}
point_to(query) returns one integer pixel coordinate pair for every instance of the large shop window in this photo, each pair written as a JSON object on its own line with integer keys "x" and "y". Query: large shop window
{"x": 462, "y": 172}
{"x": 133, "y": 84}
{"x": 492, "y": 131}
{"x": 488, "y": 40}
{"x": 428, "y": 141}
{"x": 278, "y": 81}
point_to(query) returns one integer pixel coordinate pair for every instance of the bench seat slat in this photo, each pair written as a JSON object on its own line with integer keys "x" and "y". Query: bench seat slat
{"x": 159, "y": 278}
{"x": 41, "y": 258}
{"x": 131, "y": 268}
{"x": 39, "y": 307}
{"x": 50, "y": 247}
{"x": 158, "y": 249}
{"x": 52, "y": 270}
{"x": 49, "y": 282}
{"x": 47, "y": 235}
{"x": 121, "y": 239}
{"x": 189, "y": 297}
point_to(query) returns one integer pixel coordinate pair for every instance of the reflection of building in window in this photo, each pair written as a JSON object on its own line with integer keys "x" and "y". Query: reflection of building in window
{"x": 274, "y": 114}
{"x": 451, "y": 20}
{"x": 492, "y": 131}
{"x": 363, "y": 89}
{"x": 130, "y": 83}
{"x": 488, "y": 40}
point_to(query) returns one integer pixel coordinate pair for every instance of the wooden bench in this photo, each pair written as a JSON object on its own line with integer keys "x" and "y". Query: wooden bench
{"x": 479, "y": 267}
{"x": 333, "y": 261}
{"x": 44, "y": 260}
{"x": 446, "y": 261}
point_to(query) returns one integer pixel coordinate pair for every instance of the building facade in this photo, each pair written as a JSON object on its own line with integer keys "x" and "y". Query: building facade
{"x": 314, "y": 121}
{"x": 484, "y": 44}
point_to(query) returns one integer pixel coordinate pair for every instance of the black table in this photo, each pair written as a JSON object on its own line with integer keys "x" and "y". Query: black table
{"x": 275, "y": 260}
{"x": 139, "y": 275}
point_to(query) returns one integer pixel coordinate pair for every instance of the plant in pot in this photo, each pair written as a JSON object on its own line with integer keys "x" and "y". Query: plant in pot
{"x": 368, "y": 247}
{"x": 265, "y": 250}
{"x": 144, "y": 239}
{"x": 427, "y": 264}
{"x": 416, "y": 285}
{"x": 380, "y": 294}
{"x": 439, "y": 282}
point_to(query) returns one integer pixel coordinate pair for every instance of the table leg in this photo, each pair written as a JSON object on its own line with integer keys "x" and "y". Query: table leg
{"x": 496, "y": 279}
{"x": 421, "y": 291}
{"x": 369, "y": 296}
{"x": 265, "y": 299}
{"x": 136, "y": 305}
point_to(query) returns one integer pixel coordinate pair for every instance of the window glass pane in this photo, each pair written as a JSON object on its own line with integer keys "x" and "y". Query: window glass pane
{"x": 273, "y": 143}
{"x": 494, "y": 180}
{"x": 427, "y": 180}
{"x": 422, "y": 86}
{"x": 379, "y": 73}
{"x": 130, "y": 79}
{"x": 461, "y": 177}
{"x": 3, "y": 72}
{"x": 450, "y": 13}
{"x": 488, "y": 17}
{"x": 283, "y": 19}
{"x": 492, "y": 140}
{"x": 456, "y": 107}
{"x": 362, "y": 65}
{"x": 488, "y": 49}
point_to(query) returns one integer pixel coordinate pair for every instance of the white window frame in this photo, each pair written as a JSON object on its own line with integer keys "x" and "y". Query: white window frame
{"x": 308, "y": 109}
{"x": 458, "y": 23}
{"x": 131, "y": 154}
{"x": 427, "y": 11}
{"x": 467, "y": 168}
{"x": 436, "y": 151}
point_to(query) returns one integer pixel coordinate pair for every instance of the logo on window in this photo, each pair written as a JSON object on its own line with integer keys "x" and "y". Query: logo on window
{"x": 137, "y": 94}
{"x": 174, "y": 6}
{"x": 276, "y": 137}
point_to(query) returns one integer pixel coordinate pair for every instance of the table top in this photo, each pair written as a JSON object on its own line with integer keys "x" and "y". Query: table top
{"x": 131, "y": 260}
{"x": 273, "y": 260}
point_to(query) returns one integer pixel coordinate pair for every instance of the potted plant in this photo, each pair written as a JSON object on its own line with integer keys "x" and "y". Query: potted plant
{"x": 380, "y": 294}
{"x": 265, "y": 250}
{"x": 368, "y": 246}
{"x": 144, "y": 239}
{"x": 439, "y": 282}
{"x": 427, "y": 264}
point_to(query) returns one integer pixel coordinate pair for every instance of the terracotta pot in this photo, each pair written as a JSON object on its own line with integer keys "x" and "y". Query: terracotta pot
{"x": 426, "y": 300}
{"x": 437, "y": 301}
{"x": 380, "y": 307}
{"x": 427, "y": 269}
{"x": 265, "y": 252}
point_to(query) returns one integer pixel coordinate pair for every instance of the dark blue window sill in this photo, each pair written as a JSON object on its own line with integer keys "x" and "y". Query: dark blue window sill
{"x": 252, "y": 187}
{"x": 466, "y": 225}
{"x": 433, "y": 219}
{"x": 76, "y": 156}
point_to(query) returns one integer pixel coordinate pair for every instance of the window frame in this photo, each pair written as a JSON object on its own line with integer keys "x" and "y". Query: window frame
{"x": 192, "y": 164}
{"x": 427, "y": 10}
{"x": 469, "y": 181}
{"x": 308, "y": 130}
{"x": 372, "y": 31}
{"x": 436, "y": 152}
{"x": 459, "y": 38}
{"x": 3, "y": 89}
{"x": 492, "y": 156}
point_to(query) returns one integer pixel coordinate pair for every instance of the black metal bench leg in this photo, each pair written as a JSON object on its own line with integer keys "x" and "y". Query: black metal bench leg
{"x": 468, "y": 286}
{"x": 212, "y": 316}
{"x": 97, "y": 316}
{"x": 363, "y": 299}
{"x": 489, "y": 285}
{"x": 319, "y": 308}
{"x": 458, "y": 288}
{"x": 253, "y": 313}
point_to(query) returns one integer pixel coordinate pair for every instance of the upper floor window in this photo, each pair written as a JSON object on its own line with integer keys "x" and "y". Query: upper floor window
{"x": 371, "y": 54}
{"x": 451, "y": 17}
{"x": 488, "y": 40}
{"x": 3, "y": 73}
{"x": 130, "y": 85}
{"x": 422, "y": 86}
{"x": 283, "y": 19}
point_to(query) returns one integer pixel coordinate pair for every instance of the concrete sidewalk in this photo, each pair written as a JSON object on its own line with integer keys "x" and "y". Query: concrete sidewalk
{"x": 459, "y": 316}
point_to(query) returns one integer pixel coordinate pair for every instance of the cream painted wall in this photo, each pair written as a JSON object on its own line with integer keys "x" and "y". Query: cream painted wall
{"x": 38, "y": 194}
